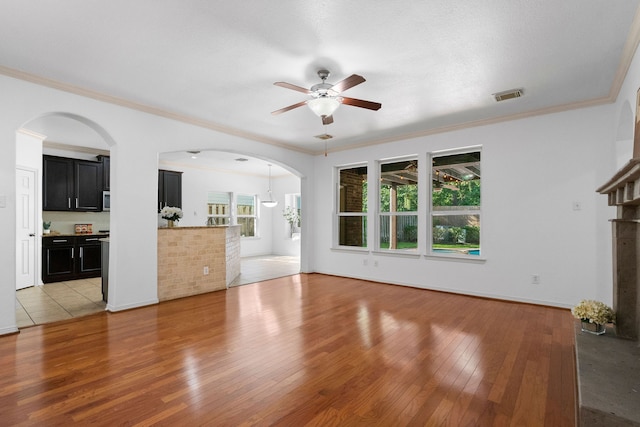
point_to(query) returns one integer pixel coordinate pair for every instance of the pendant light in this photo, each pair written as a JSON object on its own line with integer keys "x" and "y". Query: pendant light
{"x": 269, "y": 203}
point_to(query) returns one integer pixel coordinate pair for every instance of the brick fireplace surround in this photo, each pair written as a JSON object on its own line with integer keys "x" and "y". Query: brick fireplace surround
{"x": 609, "y": 365}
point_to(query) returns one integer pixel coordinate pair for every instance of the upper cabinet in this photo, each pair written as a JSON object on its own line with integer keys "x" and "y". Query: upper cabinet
{"x": 71, "y": 184}
{"x": 106, "y": 172}
{"x": 169, "y": 189}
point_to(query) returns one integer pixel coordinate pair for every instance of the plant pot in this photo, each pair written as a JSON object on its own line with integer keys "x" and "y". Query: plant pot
{"x": 46, "y": 231}
{"x": 592, "y": 328}
{"x": 170, "y": 223}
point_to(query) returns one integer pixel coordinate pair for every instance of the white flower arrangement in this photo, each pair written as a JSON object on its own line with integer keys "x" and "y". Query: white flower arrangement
{"x": 593, "y": 312}
{"x": 171, "y": 213}
{"x": 292, "y": 216}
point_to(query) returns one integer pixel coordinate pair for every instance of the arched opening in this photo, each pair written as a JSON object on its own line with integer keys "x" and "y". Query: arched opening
{"x": 228, "y": 188}
{"x": 66, "y": 257}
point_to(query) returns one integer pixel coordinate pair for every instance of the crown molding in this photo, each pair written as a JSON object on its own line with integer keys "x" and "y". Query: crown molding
{"x": 76, "y": 148}
{"x": 99, "y": 96}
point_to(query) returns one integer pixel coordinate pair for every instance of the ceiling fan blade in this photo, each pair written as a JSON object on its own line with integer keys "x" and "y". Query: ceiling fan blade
{"x": 348, "y": 83}
{"x": 290, "y": 107}
{"x": 327, "y": 120}
{"x": 362, "y": 103}
{"x": 292, "y": 86}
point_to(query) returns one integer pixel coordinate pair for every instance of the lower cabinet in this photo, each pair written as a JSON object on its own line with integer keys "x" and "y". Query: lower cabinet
{"x": 70, "y": 258}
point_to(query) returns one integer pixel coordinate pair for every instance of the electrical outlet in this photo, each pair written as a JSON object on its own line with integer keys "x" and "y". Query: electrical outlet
{"x": 206, "y": 271}
{"x": 535, "y": 279}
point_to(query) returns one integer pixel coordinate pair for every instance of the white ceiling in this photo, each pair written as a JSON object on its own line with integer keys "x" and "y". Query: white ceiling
{"x": 432, "y": 64}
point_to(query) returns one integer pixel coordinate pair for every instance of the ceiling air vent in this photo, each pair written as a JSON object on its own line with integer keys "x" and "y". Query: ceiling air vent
{"x": 324, "y": 136}
{"x": 508, "y": 94}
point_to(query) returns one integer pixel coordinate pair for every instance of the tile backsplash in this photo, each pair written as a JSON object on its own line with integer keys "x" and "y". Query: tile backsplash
{"x": 65, "y": 222}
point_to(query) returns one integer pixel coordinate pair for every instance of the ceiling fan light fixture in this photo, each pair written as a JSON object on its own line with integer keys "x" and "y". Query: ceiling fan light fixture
{"x": 323, "y": 106}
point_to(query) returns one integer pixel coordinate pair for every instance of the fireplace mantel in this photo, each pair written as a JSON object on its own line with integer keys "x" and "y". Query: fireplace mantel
{"x": 624, "y": 187}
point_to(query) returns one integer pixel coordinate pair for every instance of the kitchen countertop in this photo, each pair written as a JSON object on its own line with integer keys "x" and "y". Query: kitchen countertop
{"x": 74, "y": 235}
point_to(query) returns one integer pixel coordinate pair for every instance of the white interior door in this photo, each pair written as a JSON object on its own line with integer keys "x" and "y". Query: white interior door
{"x": 25, "y": 228}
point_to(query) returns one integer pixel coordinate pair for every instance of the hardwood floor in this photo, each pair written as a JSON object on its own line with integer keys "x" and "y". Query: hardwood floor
{"x": 300, "y": 350}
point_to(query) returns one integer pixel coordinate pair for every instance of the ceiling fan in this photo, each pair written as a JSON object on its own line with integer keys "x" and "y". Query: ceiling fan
{"x": 326, "y": 98}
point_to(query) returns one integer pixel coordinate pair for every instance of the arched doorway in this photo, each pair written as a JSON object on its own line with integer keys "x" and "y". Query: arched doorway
{"x": 63, "y": 136}
{"x": 221, "y": 187}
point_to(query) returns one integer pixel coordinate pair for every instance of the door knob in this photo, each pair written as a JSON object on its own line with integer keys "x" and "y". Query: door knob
{"x": 31, "y": 235}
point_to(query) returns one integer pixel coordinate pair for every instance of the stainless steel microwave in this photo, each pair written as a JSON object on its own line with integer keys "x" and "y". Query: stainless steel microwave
{"x": 106, "y": 201}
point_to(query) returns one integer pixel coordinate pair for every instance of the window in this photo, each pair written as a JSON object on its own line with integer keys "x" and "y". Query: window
{"x": 246, "y": 214}
{"x": 398, "y": 217}
{"x": 352, "y": 207}
{"x": 218, "y": 208}
{"x": 292, "y": 213}
{"x": 455, "y": 203}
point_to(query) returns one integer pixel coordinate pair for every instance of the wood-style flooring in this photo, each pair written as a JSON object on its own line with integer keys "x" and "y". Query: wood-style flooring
{"x": 299, "y": 350}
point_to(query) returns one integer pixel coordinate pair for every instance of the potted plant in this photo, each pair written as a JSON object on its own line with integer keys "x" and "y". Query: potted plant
{"x": 593, "y": 315}
{"x": 46, "y": 225}
{"x": 171, "y": 214}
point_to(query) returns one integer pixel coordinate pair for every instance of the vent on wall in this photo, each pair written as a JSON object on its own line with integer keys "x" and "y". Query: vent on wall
{"x": 508, "y": 94}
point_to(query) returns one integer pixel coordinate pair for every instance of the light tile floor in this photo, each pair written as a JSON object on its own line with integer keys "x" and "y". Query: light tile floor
{"x": 64, "y": 300}
{"x": 58, "y": 301}
{"x": 259, "y": 268}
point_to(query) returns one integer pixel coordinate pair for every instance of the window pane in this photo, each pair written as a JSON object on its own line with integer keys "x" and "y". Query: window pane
{"x": 246, "y": 205}
{"x": 247, "y": 226}
{"x": 218, "y": 220}
{"x": 399, "y": 186}
{"x": 398, "y": 231}
{"x": 456, "y": 234}
{"x": 352, "y": 231}
{"x": 456, "y": 182}
{"x": 353, "y": 194}
{"x": 218, "y": 203}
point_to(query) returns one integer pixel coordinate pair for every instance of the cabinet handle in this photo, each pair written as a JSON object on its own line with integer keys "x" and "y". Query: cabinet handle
{"x": 69, "y": 202}
{"x": 73, "y": 251}
{"x": 81, "y": 248}
{"x": 92, "y": 239}
{"x": 76, "y": 203}
{"x": 60, "y": 240}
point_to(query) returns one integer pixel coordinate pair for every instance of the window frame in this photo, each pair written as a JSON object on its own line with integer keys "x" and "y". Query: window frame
{"x": 228, "y": 216}
{"x": 338, "y": 214}
{"x": 379, "y": 213}
{"x": 444, "y": 213}
{"x": 255, "y": 215}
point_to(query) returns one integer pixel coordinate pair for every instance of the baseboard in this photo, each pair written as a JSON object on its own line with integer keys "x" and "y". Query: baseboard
{"x": 114, "y": 308}
{"x": 9, "y": 330}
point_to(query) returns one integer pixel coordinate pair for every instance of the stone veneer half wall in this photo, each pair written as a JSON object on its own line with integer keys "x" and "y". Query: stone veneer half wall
{"x": 184, "y": 252}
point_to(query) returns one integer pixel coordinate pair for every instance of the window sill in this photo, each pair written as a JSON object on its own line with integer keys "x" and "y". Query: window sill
{"x": 398, "y": 253}
{"x": 459, "y": 258}
{"x": 348, "y": 249}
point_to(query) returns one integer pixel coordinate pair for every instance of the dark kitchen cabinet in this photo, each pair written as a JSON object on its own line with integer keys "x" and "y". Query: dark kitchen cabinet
{"x": 169, "y": 189}
{"x": 71, "y": 257}
{"x": 106, "y": 172}
{"x": 58, "y": 259}
{"x": 57, "y": 188}
{"x": 71, "y": 184}
{"x": 89, "y": 261}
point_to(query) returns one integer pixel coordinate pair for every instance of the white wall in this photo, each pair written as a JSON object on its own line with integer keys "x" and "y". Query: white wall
{"x": 532, "y": 172}
{"x": 135, "y": 139}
